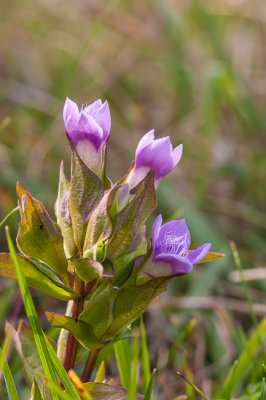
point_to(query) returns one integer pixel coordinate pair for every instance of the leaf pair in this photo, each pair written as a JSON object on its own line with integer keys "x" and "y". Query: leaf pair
{"x": 108, "y": 312}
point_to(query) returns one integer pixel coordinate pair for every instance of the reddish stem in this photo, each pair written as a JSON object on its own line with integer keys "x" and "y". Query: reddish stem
{"x": 72, "y": 344}
{"x": 90, "y": 364}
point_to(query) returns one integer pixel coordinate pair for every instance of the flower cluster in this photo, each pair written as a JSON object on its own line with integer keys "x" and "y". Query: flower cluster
{"x": 96, "y": 253}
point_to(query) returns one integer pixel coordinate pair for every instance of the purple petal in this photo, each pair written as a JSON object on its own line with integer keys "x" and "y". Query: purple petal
{"x": 156, "y": 155}
{"x": 103, "y": 117}
{"x": 179, "y": 264}
{"x": 145, "y": 140}
{"x": 155, "y": 231}
{"x": 70, "y": 110}
{"x": 176, "y": 155}
{"x": 198, "y": 255}
{"x": 86, "y": 129}
{"x": 93, "y": 108}
{"x": 176, "y": 229}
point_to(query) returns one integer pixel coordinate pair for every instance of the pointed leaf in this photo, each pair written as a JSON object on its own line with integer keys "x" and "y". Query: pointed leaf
{"x": 103, "y": 391}
{"x": 35, "y": 277}
{"x": 86, "y": 190}
{"x": 62, "y": 211}
{"x": 35, "y": 392}
{"x": 100, "y": 223}
{"x": 79, "y": 329}
{"x": 39, "y": 237}
{"x": 131, "y": 220}
{"x": 87, "y": 268}
{"x": 100, "y": 374}
{"x": 131, "y": 302}
{"x": 124, "y": 263}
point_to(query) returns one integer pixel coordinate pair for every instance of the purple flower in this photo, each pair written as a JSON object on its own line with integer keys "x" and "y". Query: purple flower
{"x": 171, "y": 254}
{"x": 157, "y": 154}
{"x": 88, "y": 130}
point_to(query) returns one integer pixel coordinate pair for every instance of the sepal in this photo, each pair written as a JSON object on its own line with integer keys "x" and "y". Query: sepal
{"x": 86, "y": 190}
{"x": 63, "y": 213}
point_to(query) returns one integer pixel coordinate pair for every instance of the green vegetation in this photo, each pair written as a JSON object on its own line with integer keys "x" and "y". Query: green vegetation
{"x": 192, "y": 70}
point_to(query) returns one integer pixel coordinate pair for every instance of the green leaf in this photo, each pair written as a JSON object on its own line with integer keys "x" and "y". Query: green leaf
{"x": 148, "y": 393}
{"x": 33, "y": 319}
{"x": 145, "y": 357}
{"x": 131, "y": 302}
{"x": 39, "y": 237}
{"x": 103, "y": 391}
{"x": 79, "y": 329}
{"x": 246, "y": 360}
{"x": 35, "y": 277}
{"x": 129, "y": 232}
{"x": 35, "y": 392}
{"x": 10, "y": 385}
{"x": 87, "y": 268}
{"x": 100, "y": 374}
{"x": 86, "y": 190}
{"x": 62, "y": 211}
{"x": 100, "y": 223}
{"x": 61, "y": 372}
{"x": 122, "y": 355}
{"x": 134, "y": 369}
{"x": 98, "y": 311}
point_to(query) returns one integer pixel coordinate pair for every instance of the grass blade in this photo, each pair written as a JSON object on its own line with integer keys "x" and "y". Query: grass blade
{"x": 10, "y": 385}
{"x": 132, "y": 390}
{"x": 246, "y": 359}
{"x": 229, "y": 389}
{"x": 148, "y": 393}
{"x": 122, "y": 354}
{"x": 193, "y": 386}
{"x": 145, "y": 357}
{"x": 33, "y": 320}
{"x": 263, "y": 390}
{"x": 61, "y": 372}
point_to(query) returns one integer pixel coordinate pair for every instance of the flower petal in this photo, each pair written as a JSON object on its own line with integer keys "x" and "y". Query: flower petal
{"x": 176, "y": 155}
{"x": 70, "y": 110}
{"x": 178, "y": 264}
{"x": 197, "y": 255}
{"x": 145, "y": 140}
{"x": 86, "y": 129}
{"x": 103, "y": 117}
{"x": 156, "y": 155}
{"x": 175, "y": 229}
{"x": 155, "y": 232}
{"x": 93, "y": 108}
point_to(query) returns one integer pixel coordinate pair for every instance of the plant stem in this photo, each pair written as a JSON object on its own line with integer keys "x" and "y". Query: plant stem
{"x": 72, "y": 344}
{"x": 90, "y": 364}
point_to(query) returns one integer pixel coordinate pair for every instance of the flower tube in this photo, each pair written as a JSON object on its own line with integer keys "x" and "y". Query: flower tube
{"x": 154, "y": 154}
{"x": 88, "y": 131}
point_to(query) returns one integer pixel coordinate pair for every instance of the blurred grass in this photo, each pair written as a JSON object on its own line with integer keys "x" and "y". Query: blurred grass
{"x": 193, "y": 70}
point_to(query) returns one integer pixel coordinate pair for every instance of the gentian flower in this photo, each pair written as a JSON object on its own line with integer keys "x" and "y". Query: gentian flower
{"x": 88, "y": 131}
{"x": 157, "y": 154}
{"x": 171, "y": 254}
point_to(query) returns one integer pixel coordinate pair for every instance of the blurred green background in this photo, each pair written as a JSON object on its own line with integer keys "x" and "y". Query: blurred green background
{"x": 194, "y": 70}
